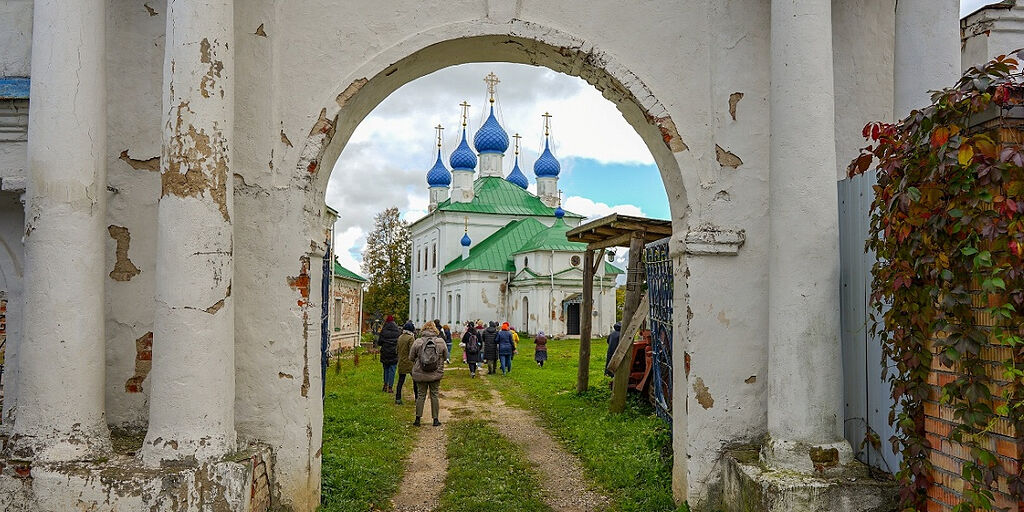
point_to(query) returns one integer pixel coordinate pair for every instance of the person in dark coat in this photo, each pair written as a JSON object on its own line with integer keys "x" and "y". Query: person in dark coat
{"x": 404, "y": 363}
{"x": 540, "y": 353}
{"x": 506, "y": 347}
{"x": 490, "y": 337}
{"x": 387, "y": 341}
{"x": 473, "y": 354}
{"x": 613, "y": 343}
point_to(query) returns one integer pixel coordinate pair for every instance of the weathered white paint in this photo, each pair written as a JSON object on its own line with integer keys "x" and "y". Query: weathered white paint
{"x": 61, "y": 365}
{"x": 12, "y": 264}
{"x": 547, "y": 189}
{"x": 803, "y": 307}
{"x": 927, "y": 51}
{"x": 991, "y": 31}
{"x": 191, "y": 410}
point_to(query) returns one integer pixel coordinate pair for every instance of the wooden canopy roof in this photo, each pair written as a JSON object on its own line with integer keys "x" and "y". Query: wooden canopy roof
{"x": 615, "y": 231}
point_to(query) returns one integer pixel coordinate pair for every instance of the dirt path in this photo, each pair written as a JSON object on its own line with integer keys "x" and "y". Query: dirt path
{"x": 560, "y": 473}
{"x": 428, "y": 463}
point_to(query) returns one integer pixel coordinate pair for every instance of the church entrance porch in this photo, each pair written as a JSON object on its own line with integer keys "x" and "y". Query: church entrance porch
{"x": 571, "y": 309}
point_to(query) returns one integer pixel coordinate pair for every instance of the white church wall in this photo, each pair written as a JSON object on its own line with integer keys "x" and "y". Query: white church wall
{"x": 989, "y": 32}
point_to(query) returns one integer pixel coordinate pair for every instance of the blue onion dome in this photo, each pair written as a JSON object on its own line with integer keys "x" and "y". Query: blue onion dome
{"x": 465, "y": 240}
{"x": 438, "y": 176}
{"x": 463, "y": 158}
{"x": 547, "y": 165}
{"x": 559, "y": 212}
{"x": 516, "y": 177}
{"x": 491, "y": 137}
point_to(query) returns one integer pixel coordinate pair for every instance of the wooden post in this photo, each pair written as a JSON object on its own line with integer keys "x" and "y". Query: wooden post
{"x": 586, "y": 321}
{"x": 634, "y": 292}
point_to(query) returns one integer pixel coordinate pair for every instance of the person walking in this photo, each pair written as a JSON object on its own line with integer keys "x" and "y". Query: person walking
{"x": 506, "y": 348}
{"x": 446, "y": 331}
{"x": 387, "y": 341}
{"x": 471, "y": 348}
{"x": 428, "y": 354}
{"x": 613, "y": 343}
{"x": 404, "y": 363}
{"x": 490, "y": 339}
{"x": 515, "y": 341}
{"x": 540, "y": 353}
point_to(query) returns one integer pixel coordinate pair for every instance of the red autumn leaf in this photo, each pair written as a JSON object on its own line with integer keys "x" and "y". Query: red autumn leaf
{"x": 940, "y": 136}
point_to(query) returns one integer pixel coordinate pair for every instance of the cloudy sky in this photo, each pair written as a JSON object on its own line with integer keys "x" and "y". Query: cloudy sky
{"x": 605, "y": 165}
{"x": 969, "y": 6}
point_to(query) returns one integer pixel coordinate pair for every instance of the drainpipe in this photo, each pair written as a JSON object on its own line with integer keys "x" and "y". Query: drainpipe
{"x": 551, "y": 275}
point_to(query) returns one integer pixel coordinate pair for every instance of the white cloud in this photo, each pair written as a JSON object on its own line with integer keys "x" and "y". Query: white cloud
{"x": 969, "y": 6}
{"x": 347, "y": 240}
{"x": 592, "y": 210}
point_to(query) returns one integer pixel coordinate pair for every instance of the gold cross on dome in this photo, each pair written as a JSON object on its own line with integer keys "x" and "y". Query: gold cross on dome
{"x": 439, "y": 128}
{"x": 466, "y": 218}
{"x": 465, "y": 111}
{"x": 517, "y": 137}
{"x": 492, "y": 83}
{"x": 547, "y": 123}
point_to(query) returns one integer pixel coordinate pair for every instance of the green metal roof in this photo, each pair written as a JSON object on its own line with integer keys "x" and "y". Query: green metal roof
{"x": 553, "y": 239}
{"x": 344, "y": 273}
{"x": 495, "y": 252}
{"x": 499, "y": 196}
{"x": 612, "y": 269}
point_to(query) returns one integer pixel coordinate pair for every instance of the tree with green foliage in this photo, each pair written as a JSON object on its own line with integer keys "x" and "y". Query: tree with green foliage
{"x": 386, "y": 263}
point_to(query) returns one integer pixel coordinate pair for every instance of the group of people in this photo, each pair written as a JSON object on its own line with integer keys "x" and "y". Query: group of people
{"x": 496, "y": 346}
{"x": 422, "y": 355}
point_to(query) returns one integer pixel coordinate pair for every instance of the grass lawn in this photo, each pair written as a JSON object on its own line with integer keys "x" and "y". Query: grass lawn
{"x": 629, "y": 455}
{"x": 366, "y": 438}
{"x": 487, "y": 473}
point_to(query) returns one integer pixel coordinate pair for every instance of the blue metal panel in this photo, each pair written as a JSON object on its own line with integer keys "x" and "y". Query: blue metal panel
{"x": 14, "y": 88}
{"x": 866, "y": 393}
{"x": 660, "y": 286}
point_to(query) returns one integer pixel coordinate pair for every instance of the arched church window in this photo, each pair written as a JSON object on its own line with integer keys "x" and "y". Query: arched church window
{"x": 526, "y": 261}
{"x": 434, "y": 265}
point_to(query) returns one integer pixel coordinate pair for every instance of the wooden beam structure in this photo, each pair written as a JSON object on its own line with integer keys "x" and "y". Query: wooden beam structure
{"x": 586, "y": 321}
{"x": 634, "y": 291}
{"x": 613, "y": 231}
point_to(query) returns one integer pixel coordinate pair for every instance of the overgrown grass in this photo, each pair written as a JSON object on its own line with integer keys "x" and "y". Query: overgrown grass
{"x": 487, "y": 473}
{"x": 366, "y": 438}
{"x": 629, "y": 455}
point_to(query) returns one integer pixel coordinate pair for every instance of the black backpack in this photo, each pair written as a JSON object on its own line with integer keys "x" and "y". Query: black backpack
{"x": 472, "y": 343}
{"x": 429, "y": 358}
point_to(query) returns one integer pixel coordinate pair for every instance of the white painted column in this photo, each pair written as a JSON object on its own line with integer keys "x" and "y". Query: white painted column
{"x": 191, "y": 408}
{"x": 804, "y": 359}
{"x": 62, "y": 358}
{"x": 927, "y": 53}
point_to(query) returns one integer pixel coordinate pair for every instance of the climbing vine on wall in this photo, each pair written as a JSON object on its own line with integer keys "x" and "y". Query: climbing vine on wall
{"x": 947, "y": 225}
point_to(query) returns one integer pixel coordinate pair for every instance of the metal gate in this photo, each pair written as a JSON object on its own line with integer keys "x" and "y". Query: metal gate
{"x": 660, "y": 285}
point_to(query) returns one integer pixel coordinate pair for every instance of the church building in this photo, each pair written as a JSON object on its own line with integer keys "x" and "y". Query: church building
{"x": 491, "y": 250}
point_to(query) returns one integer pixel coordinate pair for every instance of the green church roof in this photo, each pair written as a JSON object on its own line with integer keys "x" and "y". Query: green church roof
{"x": 499, "y": 196}
{"x": 612, "y": 270}
{"x": 344, "y": 273}
{"x": 553, "y": 239}
{"x": 495, "y": 252}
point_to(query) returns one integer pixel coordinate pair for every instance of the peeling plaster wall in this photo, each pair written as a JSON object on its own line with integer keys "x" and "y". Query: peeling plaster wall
{"x": 135, "y": 48}
{"x": 991, "y": 31}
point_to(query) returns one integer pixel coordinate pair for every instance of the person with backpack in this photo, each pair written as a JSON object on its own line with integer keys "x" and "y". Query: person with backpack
{"x": 404, "y": 363}
{"x": 540, "y": 353}
{"x": 387, "y": 341}
{"x": 506, "y": 347}
{"x": 471, "y": 348}
{"x": 489, "y": 337}
{"x": 428, "y": 354}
